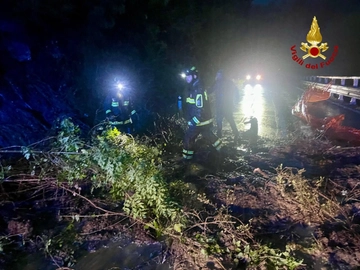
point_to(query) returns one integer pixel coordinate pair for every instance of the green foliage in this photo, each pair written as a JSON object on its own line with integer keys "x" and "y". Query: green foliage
{"x": 62, "y": 245}
{"x": 134, "y": 173}
{"x": 69, "y": 154}
{"x": 254, "y": 255}
{"x": 3, "y": 171}
{"x": 68, "y": 137}
{"x": 266, "y": 256}
{"x": 305, "y": 193}
{"x": 131, "y": 171}
{"x": 210, "y": 245}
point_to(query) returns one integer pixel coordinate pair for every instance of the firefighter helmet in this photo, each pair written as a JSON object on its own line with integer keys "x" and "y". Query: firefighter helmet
{"x": 191, "y": 71}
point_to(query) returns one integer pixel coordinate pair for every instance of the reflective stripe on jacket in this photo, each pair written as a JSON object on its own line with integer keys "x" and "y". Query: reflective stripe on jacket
{"x": 198, "y": 111}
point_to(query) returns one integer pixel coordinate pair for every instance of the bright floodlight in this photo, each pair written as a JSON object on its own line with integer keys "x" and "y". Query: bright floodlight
{"x": 248, "y": 77}
{"x": 120, "y": 86}
{"x": 183, "y": 75}
{"x": 258, "y": 77}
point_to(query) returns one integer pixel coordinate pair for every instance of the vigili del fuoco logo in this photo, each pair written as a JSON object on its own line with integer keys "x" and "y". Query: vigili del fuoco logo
{"x": 313, "y": 49}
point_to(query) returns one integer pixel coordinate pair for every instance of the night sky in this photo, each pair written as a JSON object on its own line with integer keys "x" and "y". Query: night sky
{"x": 261, "y": 2}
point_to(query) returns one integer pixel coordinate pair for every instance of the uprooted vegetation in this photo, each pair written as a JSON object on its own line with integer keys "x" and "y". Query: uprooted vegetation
{"x": 56, "y": 198}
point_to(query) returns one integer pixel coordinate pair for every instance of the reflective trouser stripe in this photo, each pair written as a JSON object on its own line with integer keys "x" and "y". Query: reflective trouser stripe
{"x": 188, "y": 154}
{"x": 190, "y": 100}
{"x": 196, "y": 120}
{"x": 204, "y": 123}
{"x": 217, "y": 144}
{"x": 128, "y": 121}
{"x": 117, "y": 123}
{"x": 121, "y": 122}
{"x": 198, "y": 123}
{"x": 108, "y": 111}
{"x": 133, "y": 112}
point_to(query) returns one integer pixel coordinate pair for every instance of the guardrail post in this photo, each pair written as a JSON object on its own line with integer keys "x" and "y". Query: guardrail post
{"x": 340, "y": 87}
{"x": 353, "y": 101}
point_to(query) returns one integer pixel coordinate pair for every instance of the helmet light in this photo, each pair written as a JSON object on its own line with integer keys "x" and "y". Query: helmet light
{"x": 120, "y": 86}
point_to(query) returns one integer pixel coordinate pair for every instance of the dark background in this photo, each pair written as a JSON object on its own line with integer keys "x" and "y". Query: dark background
{"x": 59, "y": 57}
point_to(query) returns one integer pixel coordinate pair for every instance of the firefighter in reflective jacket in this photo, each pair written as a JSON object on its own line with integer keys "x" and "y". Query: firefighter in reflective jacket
{"x": 226, "y": 95}
{"x": 120, "y": 112}
{"x": 198, "y": 115}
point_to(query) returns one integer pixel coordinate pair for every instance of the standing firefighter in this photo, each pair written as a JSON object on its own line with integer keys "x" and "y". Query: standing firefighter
{"x": 226, "y": 94}
{"x": 120, "y": 111}
{"x": 198, "y": 115}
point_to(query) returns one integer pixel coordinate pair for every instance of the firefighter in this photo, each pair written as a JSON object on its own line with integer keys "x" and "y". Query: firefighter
{"x": 226, "y": 95}
{"x": 120, "y": 111}
{"x": 197, "y": 115}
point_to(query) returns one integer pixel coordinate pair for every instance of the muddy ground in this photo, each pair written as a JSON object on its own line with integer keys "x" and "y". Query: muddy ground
{"x": 31, "y": 217}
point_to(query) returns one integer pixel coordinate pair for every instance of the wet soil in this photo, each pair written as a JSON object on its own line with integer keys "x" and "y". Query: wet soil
{"x": 249, "y": 172}
{"x": 31, "y": 217}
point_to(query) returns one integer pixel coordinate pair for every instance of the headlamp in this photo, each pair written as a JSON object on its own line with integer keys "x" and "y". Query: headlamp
{"x": 119, "y": 86}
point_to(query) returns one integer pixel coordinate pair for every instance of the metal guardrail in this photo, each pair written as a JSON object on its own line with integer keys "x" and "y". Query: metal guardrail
{"x": 344, "y": 80}
{"x": 342, "y": 90}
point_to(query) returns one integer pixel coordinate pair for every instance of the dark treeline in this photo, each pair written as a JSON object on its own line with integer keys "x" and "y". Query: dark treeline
{"x": 149, "y": 42}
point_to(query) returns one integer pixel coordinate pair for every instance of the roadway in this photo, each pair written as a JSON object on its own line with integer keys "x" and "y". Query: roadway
{"x": 271, "y": 104}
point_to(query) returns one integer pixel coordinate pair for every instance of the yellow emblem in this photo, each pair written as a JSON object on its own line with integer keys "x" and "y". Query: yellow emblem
{"x": 314, "y": 37}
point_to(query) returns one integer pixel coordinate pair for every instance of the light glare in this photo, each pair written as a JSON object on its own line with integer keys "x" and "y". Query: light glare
{"x": 120, "y": 86}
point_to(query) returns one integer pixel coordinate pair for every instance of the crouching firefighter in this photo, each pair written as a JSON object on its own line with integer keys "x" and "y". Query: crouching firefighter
{"x": 197, "y": 115}
{"x": 120, "y": 111}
